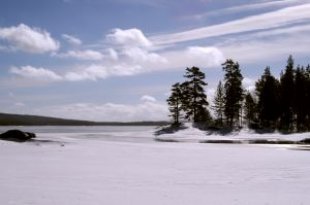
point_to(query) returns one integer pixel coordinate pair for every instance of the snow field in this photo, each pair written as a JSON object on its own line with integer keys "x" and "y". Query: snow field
{"x": 92, "y": 171}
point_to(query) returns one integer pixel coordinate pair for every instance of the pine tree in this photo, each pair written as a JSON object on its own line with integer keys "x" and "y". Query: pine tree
{"x": 287, "y": 96}
{"x": 267, "y": 91}
{"x": 194, "y": 98}
{"x": 175, "y": 102}
{"x": 307, "y": 93}
{"x": 233, "y": 91}
{"x": 219, "y": 104}
{"x": 300, "y": 103}
{"x": 250, "y": 109}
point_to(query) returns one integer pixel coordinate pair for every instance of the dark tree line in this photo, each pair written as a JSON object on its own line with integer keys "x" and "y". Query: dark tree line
{"x": 282, "y": 104}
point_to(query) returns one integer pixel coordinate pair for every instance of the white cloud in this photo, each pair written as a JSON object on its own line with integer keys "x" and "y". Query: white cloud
{"x": 128, "y": 38}
{"x": 27, "y": 39}
{"x": 92, "y": 72}
{"x": 95, "y": 72}
{"x": 148, "y": 98}
{"x": 205, "y": 56}
{"x": 145, "y": 111}
{"x": 138, "y": 62}
{"x": 275, "y": 19}
{"x": 33, "y": 73}
{"x": 82, "y": 55}
{"x": 194, "y": 56}
{"x": 131, "y": 47}
{"x": 112, "y": 54}
{"x": 72, "y": 39}
{"x": 138, "y": 55}
{"x": 248, "y": 84}
{"x": 129, "y": 59}
{"x": 126, "y": 70}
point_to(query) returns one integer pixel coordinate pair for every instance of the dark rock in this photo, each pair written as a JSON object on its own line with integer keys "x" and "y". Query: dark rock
{"x": 165, "y": 140}
{"x": 17, "y": 136}
{"x": 250, "y": 141}
{"x": 219, "y": 141}
{"x": 266, "y": 141}
{"x": 305, "y": 141}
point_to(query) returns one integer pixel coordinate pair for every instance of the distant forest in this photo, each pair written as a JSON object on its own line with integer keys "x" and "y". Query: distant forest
{"x": 32, "y": 120}
{"x": 276, "y": 103}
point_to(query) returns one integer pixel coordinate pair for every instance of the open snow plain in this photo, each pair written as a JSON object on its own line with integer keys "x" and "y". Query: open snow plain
{"x": 124, "y": 165}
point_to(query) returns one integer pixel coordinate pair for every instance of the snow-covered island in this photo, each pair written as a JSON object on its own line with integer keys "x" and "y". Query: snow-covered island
{"x": 189, "y": 133}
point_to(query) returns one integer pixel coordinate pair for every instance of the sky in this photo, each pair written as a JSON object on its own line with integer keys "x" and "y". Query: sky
{"x": 115, "y": 60}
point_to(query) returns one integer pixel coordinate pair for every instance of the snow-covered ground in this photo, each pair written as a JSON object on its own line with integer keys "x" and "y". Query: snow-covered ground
{"x": 96, "y": 168}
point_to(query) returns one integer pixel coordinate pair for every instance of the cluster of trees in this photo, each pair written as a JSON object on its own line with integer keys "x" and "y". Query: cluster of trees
{"x": 282, "y": 104}
{"x": 188, "y": 99}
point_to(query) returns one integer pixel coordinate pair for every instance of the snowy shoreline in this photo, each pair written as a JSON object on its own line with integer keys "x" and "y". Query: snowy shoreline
{"x": 244, "y": 136}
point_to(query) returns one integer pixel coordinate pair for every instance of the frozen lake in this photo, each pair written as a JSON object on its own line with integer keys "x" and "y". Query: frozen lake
{"x": 124, "y": 165}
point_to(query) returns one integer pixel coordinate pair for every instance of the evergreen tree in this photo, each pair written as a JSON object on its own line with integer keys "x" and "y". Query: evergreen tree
{"x": 250, "y": 109}
{"x": 194, "y": 98}
{"x": 175, "y": 102}
{"x": 307, "y": 93}
{"x": 267, "y": 91}
{"x": 287, "y": 96}
{"x": 300, "y": 103}
{"x": 219, "y": 104}
{"x": 233, "y": 91}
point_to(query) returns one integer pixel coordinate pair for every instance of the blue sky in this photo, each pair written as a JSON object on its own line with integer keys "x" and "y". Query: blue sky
{"x": 115, "y": 60}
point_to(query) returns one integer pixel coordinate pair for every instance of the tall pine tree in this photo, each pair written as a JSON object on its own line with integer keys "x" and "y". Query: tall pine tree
{"x": 300, "y": 103}
{"x": 250, "y": 109}
{"x": 267, "y": 91}
{"x": 219, "y": 104}
{"x": 195, "y": 100}
{"x": 307, "y": 74}
{"x": 287, "y": 96}
{"x": 175, "y": 103}
{"x": 233, "y": 92}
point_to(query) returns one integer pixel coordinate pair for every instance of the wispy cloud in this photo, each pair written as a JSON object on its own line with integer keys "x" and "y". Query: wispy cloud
{"x": 91, "y": 55}
{"x": 250, "y": 7}
{"x": 268, "y": 45}
{"x": 72, "y": 39}
{"x": 279, "y": 18}
{"x": 91, "y": 72}
{"x": 27, "y": 39}
{"x": 40, "y": 74}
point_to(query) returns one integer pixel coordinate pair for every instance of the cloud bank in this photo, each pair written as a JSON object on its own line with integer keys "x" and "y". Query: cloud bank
{"x": 146, "y": 110}
{"x": 27, "y": 39}
{"x": 129, "y": 54}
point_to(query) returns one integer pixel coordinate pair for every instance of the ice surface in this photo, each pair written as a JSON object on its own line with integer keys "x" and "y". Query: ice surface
{"x": 96, "y": 171}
